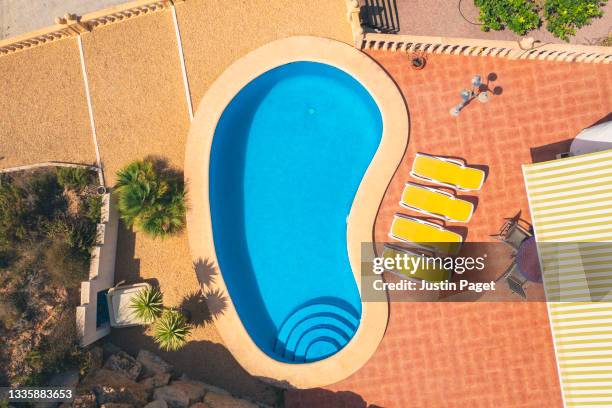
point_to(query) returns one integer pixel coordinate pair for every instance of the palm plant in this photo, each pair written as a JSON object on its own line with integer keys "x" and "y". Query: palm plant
{"x": 147, "y": 305}
{"x": 152, "y": 201}
{"x": 171, "y": 330}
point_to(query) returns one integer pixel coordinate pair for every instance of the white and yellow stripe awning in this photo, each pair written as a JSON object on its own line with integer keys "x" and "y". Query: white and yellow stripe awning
{"x": 571, "y": 209}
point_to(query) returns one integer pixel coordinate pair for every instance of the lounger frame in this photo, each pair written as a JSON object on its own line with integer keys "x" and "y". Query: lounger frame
{"x": 430, "y": 180}
{"x": 416, "y": 244}
{"x": 436, "y": 215}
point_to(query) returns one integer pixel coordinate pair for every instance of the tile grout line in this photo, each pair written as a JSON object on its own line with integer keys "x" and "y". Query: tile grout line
{"x": 92, "y": 123}
{"x": 182, "y": 60}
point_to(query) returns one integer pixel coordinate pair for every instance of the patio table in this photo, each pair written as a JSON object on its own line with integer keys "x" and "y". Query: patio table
{"x": 527, "y": 260}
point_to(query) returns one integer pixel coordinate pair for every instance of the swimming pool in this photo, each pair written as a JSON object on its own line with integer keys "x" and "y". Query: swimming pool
{"x": 287, "y": 158}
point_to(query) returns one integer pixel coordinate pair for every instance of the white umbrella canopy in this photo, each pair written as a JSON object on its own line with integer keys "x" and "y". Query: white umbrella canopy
{"x": 593, "y": 139}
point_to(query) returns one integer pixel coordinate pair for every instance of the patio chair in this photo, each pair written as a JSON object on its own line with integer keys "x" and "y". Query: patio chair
{"x": 432, "y": 272}
{"x": 436, "y": 203}
{"x": 425, "y": 235}
{"x": 447, "y": 172}
{"x": 515, "y": 280}
{"x": 513, "y": 234}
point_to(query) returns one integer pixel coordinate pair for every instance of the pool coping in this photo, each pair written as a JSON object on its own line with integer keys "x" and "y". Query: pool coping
{"x": 360, "y": 222}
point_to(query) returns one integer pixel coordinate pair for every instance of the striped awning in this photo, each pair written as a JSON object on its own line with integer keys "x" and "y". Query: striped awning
{"x": 571, "y": 208}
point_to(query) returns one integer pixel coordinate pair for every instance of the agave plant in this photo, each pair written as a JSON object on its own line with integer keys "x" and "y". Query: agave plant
{"x": 152, "y": 201}
{"x": 147, "y": 305}
{"x": 171, "y": 330}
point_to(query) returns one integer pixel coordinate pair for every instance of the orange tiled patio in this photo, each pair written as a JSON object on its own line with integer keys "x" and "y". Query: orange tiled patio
{"x": 474, "y": 354}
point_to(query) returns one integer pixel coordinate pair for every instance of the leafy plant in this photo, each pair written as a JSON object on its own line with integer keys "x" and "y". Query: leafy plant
{"x": 147, "y": 305}
{"x": 606, "y": 41}
{"x": 171, "y": 330}
{"x": 74, "y": 178}
{"x": 92, "y": 208}
{"x": 519, "y": 16}
{"x": 565, "y": 16}
{"x": 151, "y": 200}
{"x": 49, "y": 201}
{"x": 8, "y": 256}
{"x": 15, "y": 213}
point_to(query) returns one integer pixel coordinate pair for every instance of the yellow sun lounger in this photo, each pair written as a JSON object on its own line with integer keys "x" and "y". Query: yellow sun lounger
{"x": 447, "y": 172}
{"x": 425, "y": 234}
{"x": 437, "y": 203}
{"x": 419, "y": 269}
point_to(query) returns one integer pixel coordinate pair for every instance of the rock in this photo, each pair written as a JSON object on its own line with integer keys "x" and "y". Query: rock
{"x": 109, "y": 349}
{"x": 214, "y": 400}
{"x": 124, "y": 364}
{"x": 181, "y": 393}
{"x": 153, "y": 364}
{"x": 84, "y": 400}
{"x": 200, "y": 405}
{"x": 174, "y": 397}
{"x": 207, "y": 386}
{"x": 112, "y": 386}
{"x": 157, "y": 404}
{"x": 116, "y": 405}
{"x": 158, "y": 380}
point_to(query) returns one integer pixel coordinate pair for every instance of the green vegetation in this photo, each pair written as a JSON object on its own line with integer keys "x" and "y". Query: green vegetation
{"x": 606, "y": 41}
{"x": 563, "y": 17}
{"x": 171, "y": 330}
{"x": 148, "y": 305}
{"x": 47, "y": 231}
{"x": 151, "y": 199}
{"x": 74, "y": 178}
{"x": 519, "y": 16}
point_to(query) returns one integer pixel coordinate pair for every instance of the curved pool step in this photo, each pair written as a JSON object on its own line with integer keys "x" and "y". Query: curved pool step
{"x": 315, "y": 331}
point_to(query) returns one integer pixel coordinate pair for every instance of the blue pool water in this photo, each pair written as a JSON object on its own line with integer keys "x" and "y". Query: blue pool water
{"x": 287, "y": 158}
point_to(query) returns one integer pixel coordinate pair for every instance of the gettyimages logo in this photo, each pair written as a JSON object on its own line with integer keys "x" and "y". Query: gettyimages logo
{"x": 419, "y": 262}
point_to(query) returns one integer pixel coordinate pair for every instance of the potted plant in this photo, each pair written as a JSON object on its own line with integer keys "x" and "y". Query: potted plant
{"x": 148, "y": 304}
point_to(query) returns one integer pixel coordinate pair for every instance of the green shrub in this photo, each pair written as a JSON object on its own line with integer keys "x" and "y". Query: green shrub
{"x": 171, "y": 330}
{"x": 8, "y": 256}
{"x": 92, "y": 208}
{"x": 151, "y": 200}
{"x": 15, "y": 214}
{"x": 65, "y": 267}
{"x": 82, "y": 237}
{"x": 48, "y": 196}
{"x": 565, "y": 16}
{"x": 74, "y": 178}
{"x": 148, "y": 305}
{"x": 519, "y": 16}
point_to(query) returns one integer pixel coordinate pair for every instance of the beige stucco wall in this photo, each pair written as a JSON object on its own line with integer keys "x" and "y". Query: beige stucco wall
{"x": 216, "y": 33}
{"x": 43, "y": 109}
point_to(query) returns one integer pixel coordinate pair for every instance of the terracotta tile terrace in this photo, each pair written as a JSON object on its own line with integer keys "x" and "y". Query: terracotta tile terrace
{"x": 474, "y": 354}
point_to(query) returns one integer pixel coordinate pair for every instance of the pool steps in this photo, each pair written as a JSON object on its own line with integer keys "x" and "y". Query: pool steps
{"x": 322, "y": 325}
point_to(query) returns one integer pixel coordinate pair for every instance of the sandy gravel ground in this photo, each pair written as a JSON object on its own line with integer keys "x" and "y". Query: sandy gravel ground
{"x": 43, "y": 109}
{"x": 137, "y": 91}
{"x": 216, "y": 33}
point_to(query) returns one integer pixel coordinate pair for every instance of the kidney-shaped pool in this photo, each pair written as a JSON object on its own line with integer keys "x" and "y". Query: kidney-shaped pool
{"x": 287, "y": 158}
